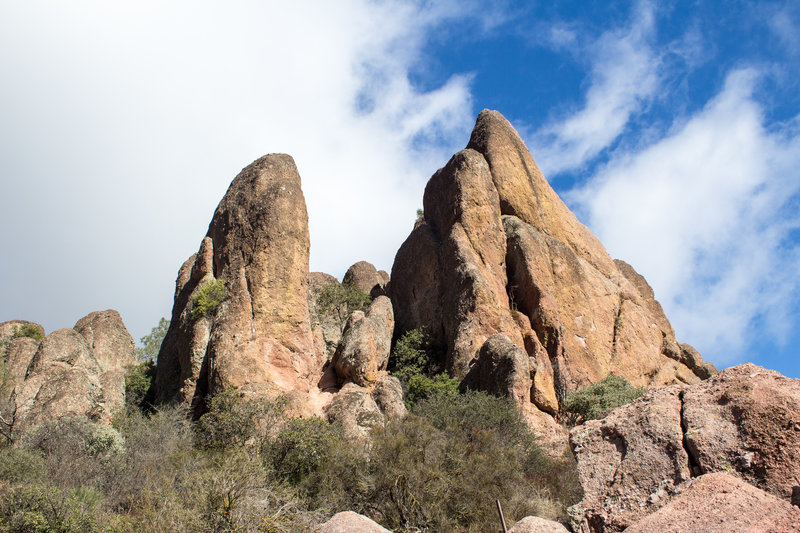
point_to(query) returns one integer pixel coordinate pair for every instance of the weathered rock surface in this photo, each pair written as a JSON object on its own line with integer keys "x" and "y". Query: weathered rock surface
{"x": 350, "y": 522}
{"x": 366, "y": 343}
{"x": 630, "y": 461}
{"x": 355, "y": 410}
{"x": 721, "y": 503}
{"x": 72, "y": 372}
{"x": 743, "y": 420}
{"x": 326, "y": 326}
{"x": 499, "y": 253}
{"x": 388, "y": 395}
{"x": 502, "y": 368}
{"x": 366, "y": 278}
{"x": 8, "y": 328}
{"x": 535, "y": 524}
{"x": 259, "y": 339}
{"x": 746, "y": 418}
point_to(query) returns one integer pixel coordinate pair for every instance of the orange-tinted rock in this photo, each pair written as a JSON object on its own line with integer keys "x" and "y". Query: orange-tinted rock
{"x": 112, "y": 345}
{"x": 499, "y": 253}
{"x": 365, "y": 345}
{"x": 366, "y": 278}
{"x": 259, "y": 339}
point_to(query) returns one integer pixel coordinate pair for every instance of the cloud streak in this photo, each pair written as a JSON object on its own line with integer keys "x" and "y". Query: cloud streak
{"x": 708, "y": 213}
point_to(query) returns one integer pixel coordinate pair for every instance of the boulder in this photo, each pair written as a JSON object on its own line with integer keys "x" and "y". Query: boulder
{"x": 746, "y": 419}
{"x": 502, "y": 369}
{"x": 630, "y": 462}
{"x": 366, "y": 343}
{"x": 62, "y": 379}
{"x": 366, "y": 278}
{"x": 9, "y": 328}
{"x": 388, "y": 395}
{"x": 721, "y": 503}
{"x": 498, "y": 253}
{"x": 534, "y": 524}
{"x": 354, "y": 409}
{"x": 259, "y": 338}
{"x": 350, "y": 522}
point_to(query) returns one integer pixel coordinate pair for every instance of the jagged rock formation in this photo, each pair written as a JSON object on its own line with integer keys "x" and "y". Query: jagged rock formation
{"x": 71, "y": 372}
{"x": 721, "y": 503}
{"x": 744, "y": 420}
{"x": 270, "y": 335}
{"x": 259, "y": 339}
{"x": 499, "y": 253}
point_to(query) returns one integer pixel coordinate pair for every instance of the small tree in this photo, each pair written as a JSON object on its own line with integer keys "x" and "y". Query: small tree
{"x": 596, "y": 400}
{"x": 208, "y": 298}
{"x": 151, "y": 343}
{"x": 28, "y": 330}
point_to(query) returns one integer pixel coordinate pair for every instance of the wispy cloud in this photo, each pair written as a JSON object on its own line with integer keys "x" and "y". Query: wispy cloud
{"x": 709, "y": 214}
{"x": 623, "y": 76}
{"x": 122, "y": 125}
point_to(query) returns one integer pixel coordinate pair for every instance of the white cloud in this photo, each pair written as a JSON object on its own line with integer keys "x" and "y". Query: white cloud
{"x": 706, "y": 214}
{"x": 623, "y": 78}
{"x": 122, "y": 124}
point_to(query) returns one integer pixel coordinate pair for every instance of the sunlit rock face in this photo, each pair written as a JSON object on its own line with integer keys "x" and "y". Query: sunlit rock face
{"x": 498, "y": 252}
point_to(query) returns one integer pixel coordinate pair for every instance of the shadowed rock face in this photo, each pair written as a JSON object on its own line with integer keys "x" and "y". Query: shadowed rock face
{"x": 499, "y": 253}
{"x": 259, "y": 339}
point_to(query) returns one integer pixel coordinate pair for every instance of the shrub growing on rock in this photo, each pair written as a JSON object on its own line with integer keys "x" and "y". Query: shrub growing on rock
{"x": 596, "y": 400}
{"x": 208, "y": 298}
{"x": 138, "y": 379}
{"x": 341, "y": 299}
{"x": 28, "y": 330}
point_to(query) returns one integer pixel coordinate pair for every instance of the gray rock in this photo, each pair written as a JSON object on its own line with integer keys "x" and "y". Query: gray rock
{"x": 355, "y": 410}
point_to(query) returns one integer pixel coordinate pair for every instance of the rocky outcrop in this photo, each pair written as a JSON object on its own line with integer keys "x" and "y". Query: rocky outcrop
{"x": 744, "y": 420}
{"x": 499, "y": 253}
{"x": 350, "y": 522}
{"x": 71, "y": 372}
{"x": 259, "y": 338}
{"x": 388, "y": 395}
{"x": 355, "y": 411}
{"x": 366, "y": 343}
{"x": 721, "y": 503}
{"x": 502, "y": 369}
{"x": 535, "y": 524}
{"x": 366, "y": 278}
{"x": 326, "y": 325}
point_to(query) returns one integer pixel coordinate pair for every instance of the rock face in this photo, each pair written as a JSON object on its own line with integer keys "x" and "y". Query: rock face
{"x": 354, "y": 409}
{"x": 499, "y": 253}
{"x": 366, "y": 278}
{"x": 259, "y": 339}
{"x": 744, "y": 420}
{"x": 350, "y": 522}
{"x": 721, "y": 503}
{"x": 365, "y": 345}
{"x": 72, "y": 372}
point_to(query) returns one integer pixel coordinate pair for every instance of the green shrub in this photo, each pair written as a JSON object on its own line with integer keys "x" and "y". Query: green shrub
{"x": 301, "y": 448}
{"x": 341, "y": 299}
{"x": 231, "y": 420}
{"x": 420, "y": 387}
{"x": 41, "y": 509}
{"x": 138, "y": 379}
{"x": 596, "y": 400}
{"x": 28, "y": 330}
{"x": 442, "y": 466}
{"x": 18, "y": 465}
{"x": 208, "y": 297}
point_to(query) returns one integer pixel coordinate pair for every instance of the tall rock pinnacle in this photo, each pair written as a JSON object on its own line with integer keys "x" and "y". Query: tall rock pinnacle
{"x": 259, "y": 339}
{"x": 500, "y": 253}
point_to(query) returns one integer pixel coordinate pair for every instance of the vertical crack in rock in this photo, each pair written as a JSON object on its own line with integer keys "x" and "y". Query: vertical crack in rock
{"x": 694, "y": 464}
{"x": 617, "y": 327}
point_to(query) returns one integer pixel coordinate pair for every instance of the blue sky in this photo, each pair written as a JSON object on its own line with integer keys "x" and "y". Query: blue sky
{"x": 670, "y": 128}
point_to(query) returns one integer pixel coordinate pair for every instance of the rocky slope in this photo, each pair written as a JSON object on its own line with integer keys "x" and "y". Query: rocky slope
{"x": 70, "y": 372}
{"x": 498, "y": 253}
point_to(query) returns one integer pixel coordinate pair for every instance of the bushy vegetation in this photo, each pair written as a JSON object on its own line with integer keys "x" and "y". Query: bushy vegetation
{"x": 247, "y": 465}
{"x": 28, "y": 330}
{"x": 341, "y": 299}
{"x": 207, "y": 298}
{"x": 138, "y": 380}
{"x": 596, "y": 400}
{"x": 415, "y": 362}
